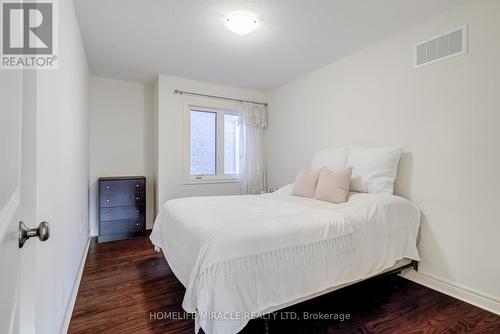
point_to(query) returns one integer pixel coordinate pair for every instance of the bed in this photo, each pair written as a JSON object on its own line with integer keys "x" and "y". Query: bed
{"x": 240, "y": 257}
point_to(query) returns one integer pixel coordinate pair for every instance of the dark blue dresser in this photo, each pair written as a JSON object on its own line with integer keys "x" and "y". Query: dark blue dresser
{"x": 122, "y": 207}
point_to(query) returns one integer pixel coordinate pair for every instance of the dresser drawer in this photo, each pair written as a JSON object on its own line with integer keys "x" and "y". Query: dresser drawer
{"x": 121, "y": 226}
{"x": 122, "y": 193}
{"x": 121, "y": 212}
{"x": 122, "y": 199}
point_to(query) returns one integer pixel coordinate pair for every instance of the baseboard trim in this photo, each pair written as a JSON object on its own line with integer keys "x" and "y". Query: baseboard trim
{"x": 74, "y": 292}
{"x": 472, "y": 297}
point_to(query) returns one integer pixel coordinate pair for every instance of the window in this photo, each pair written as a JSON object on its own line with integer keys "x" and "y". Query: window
{"x": 213, "y": 141}
{"x": 203, "y": 142}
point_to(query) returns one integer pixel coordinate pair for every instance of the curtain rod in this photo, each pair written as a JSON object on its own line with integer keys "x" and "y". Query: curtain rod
{"x": 181, "y": 92}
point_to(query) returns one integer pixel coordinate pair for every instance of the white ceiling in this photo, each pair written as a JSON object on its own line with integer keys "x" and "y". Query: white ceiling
{"x": 137, "y": 39}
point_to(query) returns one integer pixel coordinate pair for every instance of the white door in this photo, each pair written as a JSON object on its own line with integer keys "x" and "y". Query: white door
{"x": 17, "y": 200}
{"x": 10, "y": 197}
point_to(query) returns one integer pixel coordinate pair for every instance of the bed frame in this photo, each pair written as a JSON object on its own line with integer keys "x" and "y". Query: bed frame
{"x": 411, "y": 265}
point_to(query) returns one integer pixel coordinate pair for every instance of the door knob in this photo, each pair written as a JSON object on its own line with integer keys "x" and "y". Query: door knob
{"x": 42, "y": 232}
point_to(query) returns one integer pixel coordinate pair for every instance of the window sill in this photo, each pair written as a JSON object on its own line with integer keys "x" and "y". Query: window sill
{"x": 190, "y": 181}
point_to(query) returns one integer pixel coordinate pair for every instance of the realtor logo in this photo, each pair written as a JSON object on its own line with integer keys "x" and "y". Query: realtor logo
{"x": 28, "y": 34}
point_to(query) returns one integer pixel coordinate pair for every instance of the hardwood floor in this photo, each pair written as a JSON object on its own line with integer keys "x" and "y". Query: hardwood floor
{"x": 124, "y": 281}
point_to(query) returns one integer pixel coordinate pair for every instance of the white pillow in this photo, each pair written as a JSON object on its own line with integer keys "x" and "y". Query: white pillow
{"x": 332, "y": 158}
{"x": 374, "y": 170}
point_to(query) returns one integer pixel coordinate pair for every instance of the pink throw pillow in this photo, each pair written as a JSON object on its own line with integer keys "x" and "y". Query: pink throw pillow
{"x": 305, "y": 183}
{"x": 333, "y": 186}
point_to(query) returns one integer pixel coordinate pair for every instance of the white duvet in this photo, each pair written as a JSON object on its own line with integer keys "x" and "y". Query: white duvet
{"x": 240, "y": 256}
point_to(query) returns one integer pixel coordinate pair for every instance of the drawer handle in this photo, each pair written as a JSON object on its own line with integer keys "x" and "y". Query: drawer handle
{"x": 108, "y": 227}
{"x": 107, "y": 200}
{"x": 137, "y": 211}
{"x": 136, "y": 224}
{"x": 137, "y": 186}
{"x": 107, "y": 187}
{"x": 137, "y": 198}
{"x": 107, "y": 214}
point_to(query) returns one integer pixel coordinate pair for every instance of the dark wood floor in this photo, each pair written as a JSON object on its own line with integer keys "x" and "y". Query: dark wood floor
{"x": 124, "y": 281}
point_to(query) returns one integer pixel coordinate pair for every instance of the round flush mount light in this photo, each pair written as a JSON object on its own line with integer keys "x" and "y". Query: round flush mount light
{"x": 241, "y": 23}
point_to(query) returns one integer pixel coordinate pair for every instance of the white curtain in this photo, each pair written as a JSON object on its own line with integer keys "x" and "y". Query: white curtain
{"x": 252, "y": 122}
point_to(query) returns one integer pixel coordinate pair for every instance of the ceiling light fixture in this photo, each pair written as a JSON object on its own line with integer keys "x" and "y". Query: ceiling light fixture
{"x": 240, "y": 23}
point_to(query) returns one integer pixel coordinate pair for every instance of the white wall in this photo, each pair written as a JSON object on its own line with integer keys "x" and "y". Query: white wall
{"x": 61, "y": 174}
{"x": 121, "y": 137}
{"x": 446, "y": 115}
{"x": 170, "y": 120}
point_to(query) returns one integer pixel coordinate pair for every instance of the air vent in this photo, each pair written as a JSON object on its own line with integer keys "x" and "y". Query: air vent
{"x": 451, "y": 44}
